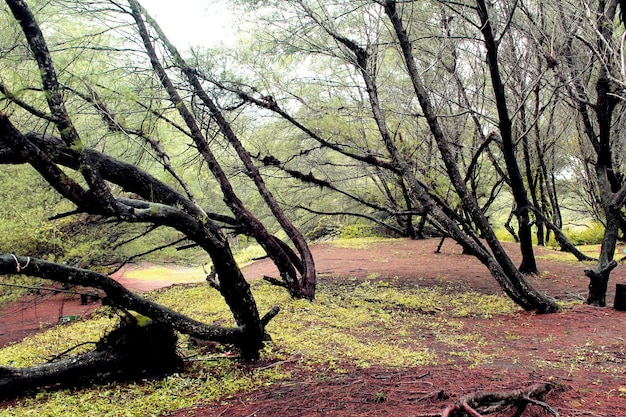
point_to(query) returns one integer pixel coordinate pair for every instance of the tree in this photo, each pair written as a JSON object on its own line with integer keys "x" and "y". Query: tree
{"x": 527, "y": 295}
{"x": 285, "y": 260}
{"x": 544, "y": 119}
{"x": 518, "y": 188}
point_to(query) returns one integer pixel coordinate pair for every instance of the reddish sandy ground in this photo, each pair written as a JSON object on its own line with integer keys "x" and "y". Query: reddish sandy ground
{"x": 44, "y": 309}
{"x": 591, "y": 389}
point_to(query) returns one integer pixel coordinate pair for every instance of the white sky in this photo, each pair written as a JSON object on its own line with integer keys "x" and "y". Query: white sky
{"x": 193, "y": 22}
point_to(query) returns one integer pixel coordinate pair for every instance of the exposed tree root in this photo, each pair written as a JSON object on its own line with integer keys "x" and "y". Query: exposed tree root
{"x": 128, "y": 352}
{"x": 480, "y": 404}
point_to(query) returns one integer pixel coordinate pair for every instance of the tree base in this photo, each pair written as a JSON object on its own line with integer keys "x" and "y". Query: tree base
{"x": 598, "y": 283}
{"x": 128, "y": 352}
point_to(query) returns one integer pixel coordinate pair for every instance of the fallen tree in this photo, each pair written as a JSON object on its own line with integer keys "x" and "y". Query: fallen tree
{"x": 118, "y": 296}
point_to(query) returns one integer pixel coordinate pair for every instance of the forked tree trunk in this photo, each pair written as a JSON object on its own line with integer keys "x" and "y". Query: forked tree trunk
{"x": 599, "y": 276}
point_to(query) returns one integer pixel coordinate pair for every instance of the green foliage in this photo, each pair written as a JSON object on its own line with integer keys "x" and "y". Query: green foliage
{"x": 321, "y": 228}
{"x": 503, "y": 235}
{"x": 351, "y": 231}
{"x": 359, "y": 242}
{"x": 433, "y": 299}
{"x": 24, "y": 225}
{"x": 592, "y": 234}
{"x": 204, "y": 381}
{"x": 178, "y": 274}
{"x": 247, "y": 254}
{"x": 342, "y": 327}
{"x": 25, "y": 228}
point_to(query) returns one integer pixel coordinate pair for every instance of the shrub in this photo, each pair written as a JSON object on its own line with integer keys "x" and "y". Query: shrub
{"x": 592, "y": 234}
{"x": 351, "y": 231}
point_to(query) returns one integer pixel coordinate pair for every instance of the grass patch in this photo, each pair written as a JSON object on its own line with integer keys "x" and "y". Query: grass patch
{"x": 180, "y": 274}
{"x": 44, "y": 346}
{"x": 248, "y": 254}
{"x": 203, "y": 382}
{"x": 175, "y": 274}
{"x": 9, "y": 293}
{"x": 359, "y": 242}
{"x": 588, "y": 235}
{"x": 568, "y": 258}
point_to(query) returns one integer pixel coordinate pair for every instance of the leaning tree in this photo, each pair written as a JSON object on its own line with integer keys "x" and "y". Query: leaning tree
{"x": 78, "y": 109}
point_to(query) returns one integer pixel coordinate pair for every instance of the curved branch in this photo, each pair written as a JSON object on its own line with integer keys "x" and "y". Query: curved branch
{"x": 16, "y": 147}
{"x": 126, "y": 175}
{"x": 50, "y": 82}
{"x": 15, "y": 99}
{"x": 311, "y": 179}
{"x": 115, "y": 125}
{"x": 560, "y": 237}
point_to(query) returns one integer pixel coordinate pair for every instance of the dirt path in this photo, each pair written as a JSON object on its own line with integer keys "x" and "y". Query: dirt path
{"x": 530, "y": 348}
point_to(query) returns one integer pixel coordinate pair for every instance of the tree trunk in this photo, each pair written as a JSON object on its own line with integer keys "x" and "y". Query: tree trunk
{"x": 610, "y": 185}
{"x": 529, "y": 264}
{"x": 599, "y": 276}
{"x": 531, "y": 176}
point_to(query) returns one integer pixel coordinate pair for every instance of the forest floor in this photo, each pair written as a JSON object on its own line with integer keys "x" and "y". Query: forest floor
{"x": 524, "y": 349}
